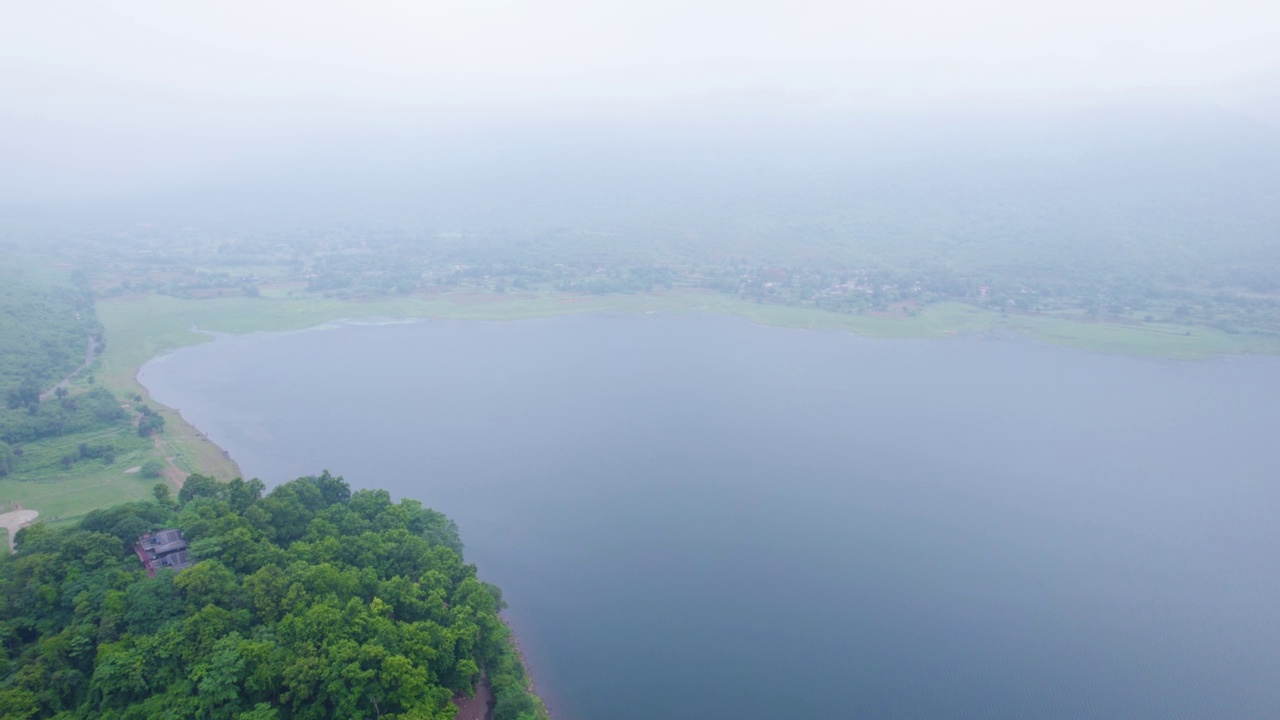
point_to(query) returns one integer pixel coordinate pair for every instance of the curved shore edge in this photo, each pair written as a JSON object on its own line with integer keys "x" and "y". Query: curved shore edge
{"x": 182, "y": 439}
{"x": 468, "y": 708}
{"x": 531, "y": 684}
{"x": 142, "y": 329}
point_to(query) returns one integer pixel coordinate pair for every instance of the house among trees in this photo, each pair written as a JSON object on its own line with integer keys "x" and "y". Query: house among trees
{"x": 162, "y": 549}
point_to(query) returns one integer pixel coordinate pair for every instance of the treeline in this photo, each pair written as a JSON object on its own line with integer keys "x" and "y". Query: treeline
{"x": 311, "y": 602}
{"x": 62, "y": 419}
{"x": 44, "y": 326}
{"x": 89, "y": 410}
{"x": 1231, "y": 286}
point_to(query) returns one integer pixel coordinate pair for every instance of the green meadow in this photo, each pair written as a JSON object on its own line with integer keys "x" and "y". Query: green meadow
{"x": 61, "y": 493}
{"x": 139, "y": 328}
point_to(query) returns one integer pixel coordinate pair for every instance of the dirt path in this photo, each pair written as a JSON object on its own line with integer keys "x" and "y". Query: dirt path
{"x": 174, "y": 474}
{"x": 89, "y": 355}
{"x": 15, "y": 520}
{"x": 479, "y": 707}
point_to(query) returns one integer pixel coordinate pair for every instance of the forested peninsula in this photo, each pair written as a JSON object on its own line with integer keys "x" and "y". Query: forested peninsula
{"x": 308, "y": 602}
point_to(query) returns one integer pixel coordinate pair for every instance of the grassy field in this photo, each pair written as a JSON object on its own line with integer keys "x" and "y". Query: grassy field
{"x": 139, "y": 328}
{"x": 61, "y": 493}
{"x": 953, "y": 319}
{"x": 87, "y": 485}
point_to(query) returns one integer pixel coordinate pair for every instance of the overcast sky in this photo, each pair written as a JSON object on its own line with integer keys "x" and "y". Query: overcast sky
{"x": 148, "y": 91}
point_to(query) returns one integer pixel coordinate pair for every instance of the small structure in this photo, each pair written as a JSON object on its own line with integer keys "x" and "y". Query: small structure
{"x": 163, "y": 549}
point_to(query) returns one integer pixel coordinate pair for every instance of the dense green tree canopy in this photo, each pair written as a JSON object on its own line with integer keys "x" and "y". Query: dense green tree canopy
{"x": 44, "y": 326}
{"x": 310, "y": 603}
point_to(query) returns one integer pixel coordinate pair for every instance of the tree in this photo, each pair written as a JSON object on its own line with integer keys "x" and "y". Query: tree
{"x": 333, "y": 490}
{"x": 6, "y": 459}
{"x": 149, "y": 422}
{"x": 126, "y": 522}
{"x": 152, "y": 469}
{"x": 291, "y": 507}
{"x": 242, "y": 494}
{"x": 151, "y": 603}
{"x": 513, "y": 703}
{"x": 26, "y": 395}
{"x": 163, "y": 494}
{"x": 266, "y": 588}
{"x": 209, "y": 582}
{"x": 199, "y": 486}
{"x": 219, "y": 681}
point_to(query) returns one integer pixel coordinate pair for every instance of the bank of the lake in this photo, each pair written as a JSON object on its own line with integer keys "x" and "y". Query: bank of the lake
{"x": 146, "y": 325}
{"x": 727, "y": 512}
{"x": 143, "y": 326}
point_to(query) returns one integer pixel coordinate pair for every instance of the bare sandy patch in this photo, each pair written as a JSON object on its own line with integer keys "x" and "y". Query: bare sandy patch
{"x": 15, "y": 520}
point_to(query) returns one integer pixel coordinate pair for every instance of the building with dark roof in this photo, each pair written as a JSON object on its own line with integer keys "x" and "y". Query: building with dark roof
{"x": 162, "y": 549}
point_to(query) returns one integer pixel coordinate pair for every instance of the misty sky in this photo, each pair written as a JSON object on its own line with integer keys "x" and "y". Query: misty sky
{"x": 136, "y": 93}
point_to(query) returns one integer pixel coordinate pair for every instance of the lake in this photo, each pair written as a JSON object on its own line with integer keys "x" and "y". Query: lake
{"x": 697, "y": 517}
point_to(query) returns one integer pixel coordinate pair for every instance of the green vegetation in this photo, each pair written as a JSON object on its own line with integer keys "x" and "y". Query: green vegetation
{"x": 151, "y": 469}
{"x": 70, "y": 495}
{"x": 150, "y": 325}
{"x": 312, "y": 602}
{"x": 90, "y": 410}
{"x": 45, "y": 324}
{"x": 65, "y": 449}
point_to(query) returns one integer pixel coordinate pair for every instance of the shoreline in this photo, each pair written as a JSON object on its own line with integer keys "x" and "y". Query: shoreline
{"x": 152, "y": 325}
{"x": 513, "y": 640}
{"x": 141, "y": 329}
{"x": 531, "y": 685}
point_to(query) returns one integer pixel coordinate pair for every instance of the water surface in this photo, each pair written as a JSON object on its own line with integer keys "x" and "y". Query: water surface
{"x": 695, "y": 517}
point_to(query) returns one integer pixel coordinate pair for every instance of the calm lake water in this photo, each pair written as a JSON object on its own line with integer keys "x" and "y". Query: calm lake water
{"x": 695, "y": 517}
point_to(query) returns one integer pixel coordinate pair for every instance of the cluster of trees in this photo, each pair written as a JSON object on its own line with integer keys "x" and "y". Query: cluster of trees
{"x": 311, "y": 602}
{"x": 91, "y": 410}
{"x": 26, "y": 396}
{"x": 152, "y": 468}
{"x": 6, "y": 458}
{"x": 68, "y": 428}
{"x": 149, "y": 421}
{"x": 106, "y": 452}
{"x": 824, "y": 267}
{"x": 44, "y": 326}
